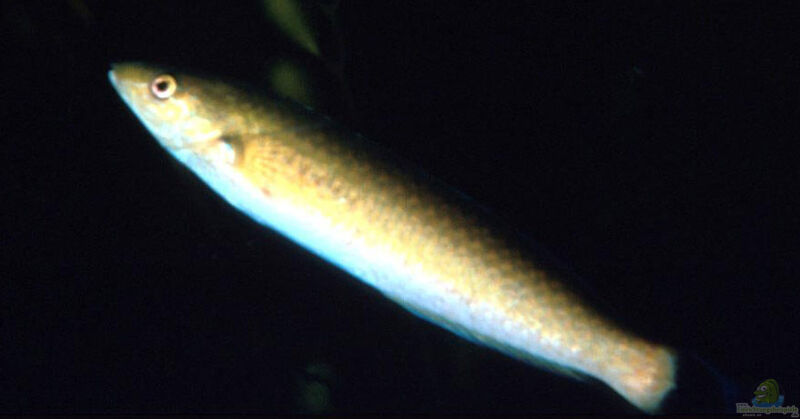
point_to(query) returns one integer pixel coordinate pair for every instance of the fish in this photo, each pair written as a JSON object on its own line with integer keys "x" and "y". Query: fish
{"x": 421, "y": 243}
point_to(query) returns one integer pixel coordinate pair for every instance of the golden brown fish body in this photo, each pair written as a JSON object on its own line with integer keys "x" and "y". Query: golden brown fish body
{"x": 418, "y": 242}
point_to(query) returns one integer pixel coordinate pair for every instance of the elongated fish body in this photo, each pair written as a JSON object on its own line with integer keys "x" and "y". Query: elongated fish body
{"x": 421, "y": 244}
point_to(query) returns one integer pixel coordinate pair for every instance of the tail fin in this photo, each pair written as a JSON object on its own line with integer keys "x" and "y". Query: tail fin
{"x": 701, "y": 388}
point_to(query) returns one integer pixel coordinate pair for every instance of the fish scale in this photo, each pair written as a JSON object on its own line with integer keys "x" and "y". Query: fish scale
{"x": 420, "y": 243}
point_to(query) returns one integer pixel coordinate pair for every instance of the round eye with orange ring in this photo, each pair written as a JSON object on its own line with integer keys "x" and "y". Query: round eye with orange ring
{"x": 163, "y": 86}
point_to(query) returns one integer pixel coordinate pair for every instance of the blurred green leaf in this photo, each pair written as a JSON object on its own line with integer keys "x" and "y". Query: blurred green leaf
{"x": 291, "y": 80}
{"x": 289, "y": 16}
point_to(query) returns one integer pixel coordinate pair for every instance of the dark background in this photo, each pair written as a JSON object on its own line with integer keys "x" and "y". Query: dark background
{"x": 652, "y": 145}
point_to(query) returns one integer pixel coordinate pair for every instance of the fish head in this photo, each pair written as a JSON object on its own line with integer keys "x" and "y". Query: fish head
{"x": 189, "y": 115}
{"x": 211, "y": 126}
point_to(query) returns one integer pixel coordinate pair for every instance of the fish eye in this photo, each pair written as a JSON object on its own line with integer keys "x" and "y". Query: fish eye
{"x": 763, "y": 388}
{"x": 163, "y": 86}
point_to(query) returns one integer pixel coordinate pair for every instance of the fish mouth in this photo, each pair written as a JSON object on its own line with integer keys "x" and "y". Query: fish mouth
{"x": 116, "y": 83}
{"x": 119, "y": 86}
{"x": 112, "y": 78}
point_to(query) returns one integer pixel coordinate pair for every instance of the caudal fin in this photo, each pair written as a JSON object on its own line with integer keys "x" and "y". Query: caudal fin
{"x": 701, "y": 389}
